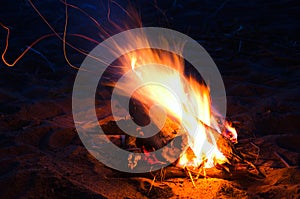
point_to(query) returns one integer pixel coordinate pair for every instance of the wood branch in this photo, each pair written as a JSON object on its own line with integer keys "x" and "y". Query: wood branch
{"x": 282, "y": 160}
{"x": 111, "y": 128}
{"x": 158, "y": 141}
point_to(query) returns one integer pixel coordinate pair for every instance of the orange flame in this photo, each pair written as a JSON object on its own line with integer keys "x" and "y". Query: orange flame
{"x": 195, "y": 97}
{"x": 148, "y": 64}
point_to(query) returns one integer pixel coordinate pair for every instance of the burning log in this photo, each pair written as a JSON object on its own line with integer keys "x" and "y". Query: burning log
{"x": 236, "y": 164}
{"x": 209, "y": 137}
{"x": 170, "y": 130}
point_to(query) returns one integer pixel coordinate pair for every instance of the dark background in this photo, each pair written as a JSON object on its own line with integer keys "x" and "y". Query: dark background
{"x": 255, "y": 45}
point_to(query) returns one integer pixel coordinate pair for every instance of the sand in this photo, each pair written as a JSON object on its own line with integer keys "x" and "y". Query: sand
{"x": 41, "y": 155}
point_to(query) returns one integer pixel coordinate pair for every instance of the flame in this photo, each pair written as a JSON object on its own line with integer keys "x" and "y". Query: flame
{"x": 196, "y": 96}
{"x": 186, "y": 100}
{"x": 230, "y": 132}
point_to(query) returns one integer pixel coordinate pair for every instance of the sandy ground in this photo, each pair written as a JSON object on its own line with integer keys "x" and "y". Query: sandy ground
{"x": 41, "y": 155}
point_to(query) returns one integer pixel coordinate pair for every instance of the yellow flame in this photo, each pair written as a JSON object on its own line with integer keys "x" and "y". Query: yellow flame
{"x": 133, "y": 61}
{"x": 194, "y": 108}
{"x": 197, "y": 97}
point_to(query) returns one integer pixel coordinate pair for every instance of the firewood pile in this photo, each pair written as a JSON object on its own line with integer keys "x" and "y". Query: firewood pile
{"x": 239, "y": 163}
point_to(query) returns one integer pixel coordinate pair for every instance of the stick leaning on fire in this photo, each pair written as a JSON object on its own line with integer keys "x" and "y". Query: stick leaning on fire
{"x": 228, "y": 149}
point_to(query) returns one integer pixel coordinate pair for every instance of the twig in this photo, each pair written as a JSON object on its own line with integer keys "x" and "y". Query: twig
{"x": 152, "y": 183}
{"x": 162, "y": 174}
{"x": 282, "y": 160}
{"x": 258, "y": 150}
{"x": 190, "y": 175}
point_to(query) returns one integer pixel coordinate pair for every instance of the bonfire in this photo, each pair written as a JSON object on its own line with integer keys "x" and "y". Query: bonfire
{"x": 179, "y": 104}
{"x": 180, "y": 107}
